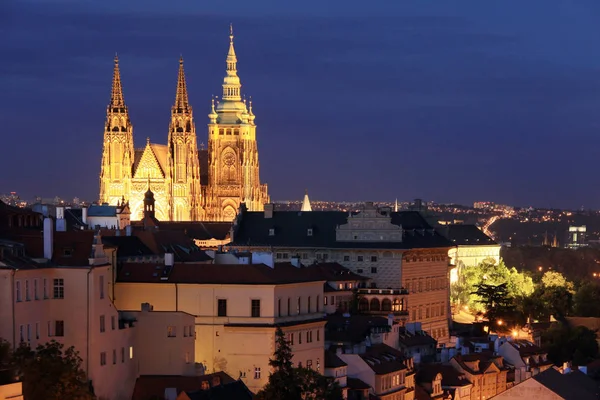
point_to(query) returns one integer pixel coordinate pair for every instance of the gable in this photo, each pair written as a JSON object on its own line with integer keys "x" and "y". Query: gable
{"x": 148, "y": 165}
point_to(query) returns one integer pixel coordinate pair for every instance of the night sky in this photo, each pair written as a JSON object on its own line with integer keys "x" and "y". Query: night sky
{"x": 452, "y": 101}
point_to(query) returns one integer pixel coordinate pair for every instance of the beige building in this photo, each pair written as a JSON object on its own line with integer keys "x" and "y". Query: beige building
{"x": 189, "y": 184}
{"x": 11, "y": 391}
{"x": 236, "y": 309}
{"x": 394, "y": 250}
{"x": 526, "y": 358}
{"x": 486, "y": 373}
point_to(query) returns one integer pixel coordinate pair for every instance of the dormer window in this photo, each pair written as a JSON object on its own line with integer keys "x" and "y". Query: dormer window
{"x": 272, "y": 232}
{"x": 309, "y": 232}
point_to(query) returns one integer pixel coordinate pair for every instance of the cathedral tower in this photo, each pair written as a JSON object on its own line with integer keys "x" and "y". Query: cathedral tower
{"x": 184, "y": 167}
{"x": 118, "y": 152}
{"x": 232, "y": 151}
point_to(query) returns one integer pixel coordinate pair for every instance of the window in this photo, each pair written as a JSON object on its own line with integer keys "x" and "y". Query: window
{"x": 18, "y": 290}
{"x": 332, "y": 301}
{"x": 35, "y": 290}
{"x": 298, "y": 306}
{"x": 59, "y": 288}
{"x": 131, "y": 352}
{"x": 309, "y": 232}
{"x": 318, "y": 335}
{"x": 360, "y": 258}
{"x": 359, "y": 271}
{"x": 279, "y": 307}
{"x": 114, "y": 356}
{"x": 289, "y": 307}
{"x": 49, "y": 328}
{"x": 187, "y": 357}
{"x": 373, "y": 270}
{"x": 102, "y": 324}
{"x": 255, "y": 306}
{"x": 318, "y": 363}
{"x": 309, "y": 364}
{"x": 59, "y": 328}
{"x": 309, "y": 337}
{"x": 28, "y": 332}
{"x": 113, "y": 322}
{"x": 101, "y": 286}
{"x": 37, "y": 330}
{"x": 122, "y": 355}
{"x": 324, "y": 300}
{"x": 45, "y": 288}
{"x": 22, "y": 332}
{"x": 222, "y": 308}
{"x": 103, "y": 358}
{"x": 373, "y": 258}
{"x": 308, "y": 305}
{"x": 272, "y": 232}
{"x": 318, "y": 304}
{"x": 291, "y": 339}
{"x": 257, "y": 373}
{"x": 185, "y": 331}
{"x": 27, "y": 298}
{"x": 299, "y": 337}
{"x": 304, "y": 256}
{"x": 346, "y": 258}
{"x": 171, "y": 331}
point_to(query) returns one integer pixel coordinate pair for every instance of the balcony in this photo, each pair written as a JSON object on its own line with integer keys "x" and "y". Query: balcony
{"x": 389, "y": 292}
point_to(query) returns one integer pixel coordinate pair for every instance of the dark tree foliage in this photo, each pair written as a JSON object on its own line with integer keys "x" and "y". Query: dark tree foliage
{"x": 586, "y": 301}
{"x": 289, "y": 383}
{"x": 51, "y": 373}
{"x": 576, "y": 344}
{"x": 496, "y": 301}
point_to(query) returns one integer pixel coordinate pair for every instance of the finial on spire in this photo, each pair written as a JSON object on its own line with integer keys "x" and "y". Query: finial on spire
{"x": 148, "y": 143}
{"x": 230, "y": 32}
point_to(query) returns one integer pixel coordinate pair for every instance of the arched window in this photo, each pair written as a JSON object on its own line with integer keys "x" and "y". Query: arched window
{"x": 374, "y": 305}
{"x": 386, "y": 305}
{"x": 363, "y": 305}
{"x": 398, "y": 305}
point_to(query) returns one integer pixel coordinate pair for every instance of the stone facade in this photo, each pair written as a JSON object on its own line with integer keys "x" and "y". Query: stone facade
{"x": 185, "y": 187}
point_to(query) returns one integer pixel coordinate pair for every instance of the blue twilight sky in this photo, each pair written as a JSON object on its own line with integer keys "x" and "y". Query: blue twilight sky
{"x": 453, "y": 101}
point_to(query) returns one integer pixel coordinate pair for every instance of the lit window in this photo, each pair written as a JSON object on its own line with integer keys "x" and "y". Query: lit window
{"x": 272, "y": 232}
{"x": 309, "y": 364}
{"x": 130, "y": 352}
{"x": 171, "y": 331}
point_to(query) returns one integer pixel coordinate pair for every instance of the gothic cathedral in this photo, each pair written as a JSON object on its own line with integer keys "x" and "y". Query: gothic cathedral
{"x": 189, "y": 184}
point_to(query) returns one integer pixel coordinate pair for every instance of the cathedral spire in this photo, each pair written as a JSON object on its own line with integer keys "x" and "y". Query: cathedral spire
{"x": 231, "y": 82}
{"x": 116, "y": 97}
{"x": 181, "y": 97}
{"x": 396, "y": 206}
{"x": 306, "y": 202}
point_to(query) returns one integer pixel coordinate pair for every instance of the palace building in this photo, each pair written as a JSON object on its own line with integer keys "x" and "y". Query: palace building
{"x": 189, "y": 184}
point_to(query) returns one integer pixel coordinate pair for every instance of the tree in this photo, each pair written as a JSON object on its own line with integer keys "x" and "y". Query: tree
{"x": 556, "y": 279}
{"x": 586, "y": 301}
{"x": 51, "y": 373}
{"x": 497, "y": 303}
{"x": 289, "y": 383}
{"x": 570, "y": 344}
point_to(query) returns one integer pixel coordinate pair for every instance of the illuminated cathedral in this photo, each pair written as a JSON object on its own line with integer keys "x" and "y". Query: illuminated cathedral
{"x": 189, "y": 184}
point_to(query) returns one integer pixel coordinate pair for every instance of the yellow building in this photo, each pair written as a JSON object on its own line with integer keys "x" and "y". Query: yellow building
{"x": 188, "y": 184}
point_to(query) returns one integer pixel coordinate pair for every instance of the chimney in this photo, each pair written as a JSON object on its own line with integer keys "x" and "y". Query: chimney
{"x": 169, "y": 259}
{"x": 60, "y": 212}
{"x": 48, "y": 238}
{"x": 128, "y": 230}
{"x": 296, "y": 262}
{"x": 269, "y": 207}
{"x": 84, "y": 211}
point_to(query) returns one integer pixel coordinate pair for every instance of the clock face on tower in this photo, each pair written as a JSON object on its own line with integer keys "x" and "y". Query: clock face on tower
{"x": 229, "y": 159}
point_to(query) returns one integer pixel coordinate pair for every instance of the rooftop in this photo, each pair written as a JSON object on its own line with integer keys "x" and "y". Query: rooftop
{"x": 289, "y": 228}
{"x": 383, "y": 359}
{"x": 465, "y": 235}
{"x": 353, "y": 329}
{"x": 573, "y": 385}
{"x": 153, "y": 386}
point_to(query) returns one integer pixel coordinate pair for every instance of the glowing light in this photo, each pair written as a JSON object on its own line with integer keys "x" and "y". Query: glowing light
{"x": 500, "y": 322}
{"x": 540, "y": 268}
{"x": 515, "y": 333}
{"x": 594, "y": 274}
{"x": 466, "y": 308}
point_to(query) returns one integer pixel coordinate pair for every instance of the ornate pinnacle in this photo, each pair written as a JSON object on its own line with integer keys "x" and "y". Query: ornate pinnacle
{"x": 116, "y": 97}
{"x": 181, "y": 96}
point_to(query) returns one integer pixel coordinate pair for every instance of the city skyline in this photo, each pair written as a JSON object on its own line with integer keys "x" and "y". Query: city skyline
{"x": 471, "y": 108}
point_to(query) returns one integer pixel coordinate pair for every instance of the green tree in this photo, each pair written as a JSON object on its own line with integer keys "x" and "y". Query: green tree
{"x": 556, "y": 279}
{"x": 51, "y": 373}
{"x": 586, "y": 301}
{"x": 496, "y": 301}
{"x": 289, "y": 383}
{"x": 564, "y": 343}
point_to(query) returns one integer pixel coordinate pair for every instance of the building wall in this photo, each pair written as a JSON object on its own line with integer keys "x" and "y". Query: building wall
{"x": 238, "y": 343}
{"x": 36, "y": 319}
{"x": 104, "y": 222}
{"x": 529, "y": 389}
{"x": 12, "y": 391}
{"x": 164, "y": 342}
